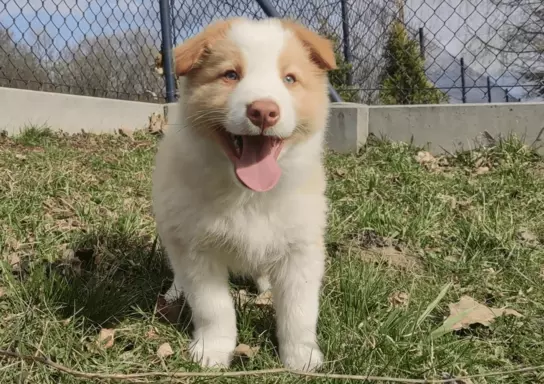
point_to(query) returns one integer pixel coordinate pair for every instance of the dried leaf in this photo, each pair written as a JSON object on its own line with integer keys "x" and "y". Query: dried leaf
{"x": 468, "y": 311}
{"x": 2, "y": 291}
{"x": 151, "y": 334}
{"x": 481, "y": 170}
{"x": 164, "y": 350}
{"x": 264, "y": 299}
{"x": 424, "y": 157}
{"x": 391, "y": 256}
{"x": 127, "y": 132}
{"x": 156, "y": 123}
{"x": 244, "y": 350}
{"x": 527, "y": 236}
{"x": 399, "y": 299}
{"x": 106, "y": 338}
{"x": 340, "y": 171}
{"x": 14, "y": 262}
{"x": 20, "y": 156}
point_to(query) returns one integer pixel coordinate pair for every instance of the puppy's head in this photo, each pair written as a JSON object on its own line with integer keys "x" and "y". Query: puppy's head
{"x": 255, "y": 86}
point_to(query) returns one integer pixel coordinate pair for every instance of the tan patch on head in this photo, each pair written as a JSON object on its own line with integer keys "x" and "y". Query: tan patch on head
{"x": 208, "y": 89}
{"x": 189, "y": 54}
{"x": 309, "y": 91}
{"x": 320, "y": 48}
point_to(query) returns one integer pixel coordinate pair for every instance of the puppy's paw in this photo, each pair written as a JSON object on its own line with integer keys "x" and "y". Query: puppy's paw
{"x": 302, "y": 357}
{"x": 212, "y": 353}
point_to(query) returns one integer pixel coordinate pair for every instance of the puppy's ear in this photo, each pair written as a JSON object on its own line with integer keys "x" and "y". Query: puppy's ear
{"x": 188, "y": 55}
{"x": 321, "y": 49}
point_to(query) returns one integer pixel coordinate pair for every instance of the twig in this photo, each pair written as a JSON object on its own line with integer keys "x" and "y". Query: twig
{"x": 137, "y": 377}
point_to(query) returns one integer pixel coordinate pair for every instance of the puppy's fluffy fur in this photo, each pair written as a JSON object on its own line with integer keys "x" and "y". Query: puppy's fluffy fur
{"x": 262, "y": 212}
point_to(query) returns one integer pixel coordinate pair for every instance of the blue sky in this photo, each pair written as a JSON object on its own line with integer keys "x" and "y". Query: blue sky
{"x": 456, "y": 25}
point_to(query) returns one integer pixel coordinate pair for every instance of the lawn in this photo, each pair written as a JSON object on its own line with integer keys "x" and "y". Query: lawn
{"x": 409, "y": 237}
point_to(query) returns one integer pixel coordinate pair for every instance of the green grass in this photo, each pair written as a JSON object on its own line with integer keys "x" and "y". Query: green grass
{"x": 466, "y": 234}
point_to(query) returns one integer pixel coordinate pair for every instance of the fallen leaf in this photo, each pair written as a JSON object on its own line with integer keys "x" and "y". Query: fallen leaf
{"x": 127, "y": 132}
{"x": 169, "y": 312}
{"x": 2, "y": 291}
{"x": 151, "y": 334}
{"x": 66, "y": 321}
{"x": 20, "y": 156}
{"x": 263, "y": 299}
{"x": 391, "y": 256}
{"x": 106, "y": 338}
{"x": 340, "y": 171}
{"x": 527, "y": 236}
{"x": 399, "y": 299}
{"x": 481, "y": 170}
{"x": 424, "y": 157}
{"x": 156, "y": 123}
{"x": 164, "y": 350}
{"x": 468, "y": 311}
{"x": 14, "y": 262}
{"x": 244, "y": 350}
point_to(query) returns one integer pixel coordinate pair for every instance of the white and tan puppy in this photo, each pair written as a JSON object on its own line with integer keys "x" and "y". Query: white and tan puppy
{"x": 239, "y": 183}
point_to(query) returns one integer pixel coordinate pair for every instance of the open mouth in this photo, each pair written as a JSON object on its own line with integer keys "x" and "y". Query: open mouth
{"x": 254, "y": 158}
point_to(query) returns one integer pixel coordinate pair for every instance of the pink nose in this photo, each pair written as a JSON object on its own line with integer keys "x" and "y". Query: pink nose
{"x": 263, "y": 113}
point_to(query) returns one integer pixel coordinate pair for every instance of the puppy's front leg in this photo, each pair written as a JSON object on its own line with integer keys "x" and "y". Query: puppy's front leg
{"x": 206, "y": 288}
{"x": 296, "y": 285}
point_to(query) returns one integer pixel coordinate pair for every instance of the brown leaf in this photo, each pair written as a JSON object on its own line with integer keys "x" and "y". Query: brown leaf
{"x": 468, "y": 311}
{"x": 106, "y": 338}
{"x": 424, "y": 157}
{"x": 244, "y": 350}
{"x": 156, "y": 123}
{"x": 169, "y": 312}
{"x": 391, "y": 256}
{"x": 14, "y": 262}
{"x": 20, "y": 156}
{"x": 164, "y": 351}
{"x": 263, "y": 299}
{"x": 481, "y": 170}
{"x": 527, "y": 236}
{"x": 127, "y": 132}
{"x": 399, "y": 299}
{"x": 151, "y": 334}
{"x": 340, "y": 171}
{"x": 2, "y": 291}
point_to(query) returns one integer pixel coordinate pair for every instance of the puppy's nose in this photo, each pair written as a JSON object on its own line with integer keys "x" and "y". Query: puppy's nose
{"x": 263, "y": 113}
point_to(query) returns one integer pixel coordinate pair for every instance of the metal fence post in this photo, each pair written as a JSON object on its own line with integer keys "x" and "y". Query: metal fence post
{"x": 421, "y": 43}
{"x": 463, "y": 88}
{"x": 488, "y": 89}
{"x": 345, "y": 37}
{"x": 270, "y": 11}
{"x": 166, "y": 47}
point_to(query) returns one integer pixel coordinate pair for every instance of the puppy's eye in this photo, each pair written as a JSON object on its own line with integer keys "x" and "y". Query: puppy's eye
{"x": 290, "y": 79}
{"x": 231, "y": 75}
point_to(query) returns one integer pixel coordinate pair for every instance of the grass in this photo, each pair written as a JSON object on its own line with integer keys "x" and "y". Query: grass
{"x": 448, "y": 228}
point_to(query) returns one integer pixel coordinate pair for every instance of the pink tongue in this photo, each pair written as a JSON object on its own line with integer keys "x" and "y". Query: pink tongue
{"x": 257, "y": 167}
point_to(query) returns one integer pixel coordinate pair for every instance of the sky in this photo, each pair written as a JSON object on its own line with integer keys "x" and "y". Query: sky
{"x": 454, "y": 24}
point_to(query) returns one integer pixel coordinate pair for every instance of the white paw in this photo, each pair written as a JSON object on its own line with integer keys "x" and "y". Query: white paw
{"x": 212, "y": 353}
{"x": 172, "y": 294}
{"x": 301, "y": 357}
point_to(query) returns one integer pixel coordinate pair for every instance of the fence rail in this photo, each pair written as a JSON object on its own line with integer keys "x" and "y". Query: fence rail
{"x": 390, "y": 51}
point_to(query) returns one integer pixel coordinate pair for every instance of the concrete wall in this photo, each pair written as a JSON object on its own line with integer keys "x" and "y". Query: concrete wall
{"x": 438, "y": 127}
{"x": 69, "y": 113}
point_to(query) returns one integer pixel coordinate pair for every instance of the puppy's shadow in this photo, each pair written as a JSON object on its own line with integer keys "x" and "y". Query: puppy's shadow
{"x": 113, "y": 276}
{"x": 109, "y": 277}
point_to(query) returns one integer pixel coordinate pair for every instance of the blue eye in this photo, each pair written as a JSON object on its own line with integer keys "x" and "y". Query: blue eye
{"x": 231, "y": 75}
{"x": 289, "y": 79}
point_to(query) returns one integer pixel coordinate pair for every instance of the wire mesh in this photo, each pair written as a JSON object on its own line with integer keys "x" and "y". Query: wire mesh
{"x": 106, "y": 48}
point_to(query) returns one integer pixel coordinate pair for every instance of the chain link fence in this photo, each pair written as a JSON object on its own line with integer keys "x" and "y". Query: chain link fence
{"x": 390, "y": 51}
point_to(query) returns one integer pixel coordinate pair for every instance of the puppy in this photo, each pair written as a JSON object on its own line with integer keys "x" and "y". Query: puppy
{"x": 239, "y": 184}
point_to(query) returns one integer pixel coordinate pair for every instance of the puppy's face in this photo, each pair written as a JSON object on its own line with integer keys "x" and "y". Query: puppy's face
{"x": 254, "y": 86}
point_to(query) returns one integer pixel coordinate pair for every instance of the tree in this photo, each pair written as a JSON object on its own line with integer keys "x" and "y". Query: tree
{"x": 339, "y": 76}
{"x": 403, "y": 80}
{"x": 522, "y": 39}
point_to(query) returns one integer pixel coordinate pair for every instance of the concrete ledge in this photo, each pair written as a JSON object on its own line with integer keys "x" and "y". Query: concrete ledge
{"x": 348, "y": 127}
{"x": 456, "y": 127}
{"x": 69, "y": 113}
